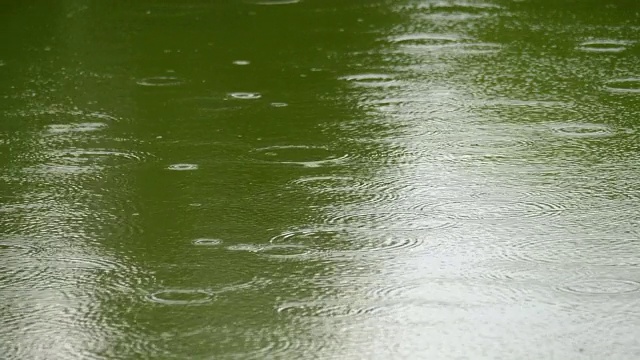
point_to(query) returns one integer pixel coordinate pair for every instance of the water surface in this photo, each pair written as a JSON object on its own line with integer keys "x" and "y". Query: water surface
{"x": 320, "y": 179}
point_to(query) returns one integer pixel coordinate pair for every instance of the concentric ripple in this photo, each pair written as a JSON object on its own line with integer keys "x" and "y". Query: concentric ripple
{"x": 602, "y": 286}
{"x": 348, "y": 189}
{"x": 390, "y": 221}
{"x": 490, "y": 209}
{"x": 304, "y": 155}
{"x": 581, "y": 129}
{"x": 181, "y": 297}
{"x": 603, "y": 46}
{"x": 370, "y": 80}
{"x": 288, "y": 251}
{"x": 161, "y": 81}
{"x": 182, "y": 167}
{"x": 332, "y": 241}
{"x": 317, "y": 308}
{"x": 207, "y": 242}
{"x": 628, "y": 86}
{"x": 245, "y": 95}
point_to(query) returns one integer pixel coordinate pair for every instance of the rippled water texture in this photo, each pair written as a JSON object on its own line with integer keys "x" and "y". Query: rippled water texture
{"x": 302, "y": 179}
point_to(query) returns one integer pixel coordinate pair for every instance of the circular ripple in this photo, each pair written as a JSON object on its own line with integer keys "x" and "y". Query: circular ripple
{"x": 602, "y": 287}
{"x": 71, "y": 128}
{"x": 390, "y": 221}
{"x": 181, "y": 297}
{"x": 308, "y": 156}
{"x": 334, "y": 241}
{"x": 183, "y": 167}
{"x": 347, "y": 189}
{"x": 603, "y": 46}
{"x": 315, "y": 308}
{"x": 490, "y": 209}
{"x": 582, "y": 130}
{"x": 207, "y": 242}
{"x": 161, "y": 81}
{"x": 427, "y": 41}
{"x": 630, "y": 86}
{"x": 245, "y": 95}
{"x": 372, "y": 80}
{"x": 275, "y": 251}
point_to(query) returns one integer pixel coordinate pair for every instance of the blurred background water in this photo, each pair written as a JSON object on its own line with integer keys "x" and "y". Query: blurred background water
{"x": 251, "y": 179}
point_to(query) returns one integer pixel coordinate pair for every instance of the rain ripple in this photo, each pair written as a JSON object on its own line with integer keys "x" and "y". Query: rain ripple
{"x": 389, "y": 221}
{"x": 304, "y": 155}
{"x": 490, "y": 209}
{"x": 624, "y": 86}
{"x": 604, "y": 46}
{"x": 332, "y": 242}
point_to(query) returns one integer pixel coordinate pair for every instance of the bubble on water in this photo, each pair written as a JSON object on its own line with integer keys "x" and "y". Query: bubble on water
{"x": 245, "y": 95}
{"x": 160, "y": 81}
{"x": 182, "y": 167}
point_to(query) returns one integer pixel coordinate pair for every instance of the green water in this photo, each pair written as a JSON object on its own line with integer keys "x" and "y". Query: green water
{"x": 273, "y": 179}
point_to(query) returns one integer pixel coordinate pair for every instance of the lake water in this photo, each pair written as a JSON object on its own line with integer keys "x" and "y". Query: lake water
{"x": 298, "y": 179}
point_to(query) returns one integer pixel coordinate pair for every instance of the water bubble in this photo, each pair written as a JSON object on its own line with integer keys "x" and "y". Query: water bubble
{"x": 182, "y": 167}
{"x": 207, "y": 242}
{"x": 629, "y": 85}
{"x": 160, "y": 81}
{"x": 181, "y": 297}
{"x": 245, "y": 95}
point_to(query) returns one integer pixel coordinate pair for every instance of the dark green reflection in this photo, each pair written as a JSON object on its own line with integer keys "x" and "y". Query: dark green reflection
{"x": 318, "y": 178}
